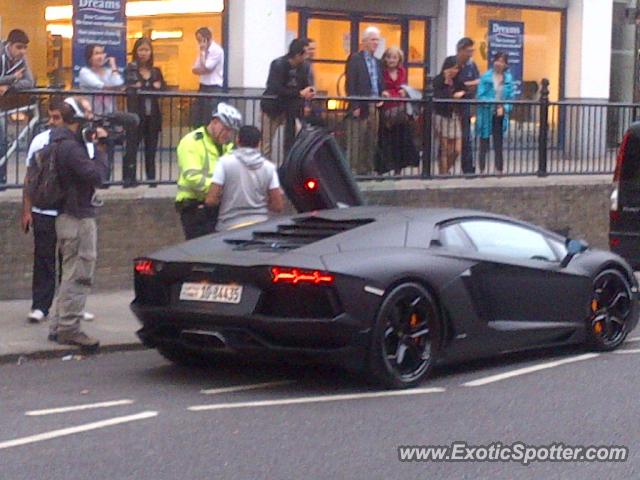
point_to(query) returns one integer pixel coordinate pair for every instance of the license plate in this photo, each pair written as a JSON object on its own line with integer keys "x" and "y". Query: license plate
{"x": 211, "y": 292}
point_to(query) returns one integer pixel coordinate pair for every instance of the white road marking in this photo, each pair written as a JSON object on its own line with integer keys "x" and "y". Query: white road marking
{"x": 323, "y": 398}
{"x": 628, "y": 350}
{"x": 632, "y": 340}
{"x": 73, "y": 430}
{"x": 240, "y": 388}
{"x": 51, "y": 411}
{"x": 525, "y": 370}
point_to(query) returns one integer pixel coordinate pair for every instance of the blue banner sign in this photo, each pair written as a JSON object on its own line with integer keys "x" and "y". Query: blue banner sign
{"x": 508, "y": 37}
{"x": 99, "y": 22}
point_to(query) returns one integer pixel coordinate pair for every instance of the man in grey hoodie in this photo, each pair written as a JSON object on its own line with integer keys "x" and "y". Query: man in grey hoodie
{"x": 245, "y": 184}
{"x": 15, "y": 75}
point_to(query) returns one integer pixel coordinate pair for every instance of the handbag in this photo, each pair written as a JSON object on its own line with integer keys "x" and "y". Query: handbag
{"x": 394, "y": 116}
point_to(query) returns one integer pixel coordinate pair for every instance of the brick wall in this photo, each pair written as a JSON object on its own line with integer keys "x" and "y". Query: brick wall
{"x": 132, "y": 223}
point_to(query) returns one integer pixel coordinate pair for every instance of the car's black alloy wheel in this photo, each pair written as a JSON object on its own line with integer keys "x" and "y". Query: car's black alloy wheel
{"x": 611, "y": 306}
{"x": 405, "y": 336}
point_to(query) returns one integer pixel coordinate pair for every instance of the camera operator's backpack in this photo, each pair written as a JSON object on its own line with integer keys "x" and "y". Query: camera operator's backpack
{"x": 43, "y": 180}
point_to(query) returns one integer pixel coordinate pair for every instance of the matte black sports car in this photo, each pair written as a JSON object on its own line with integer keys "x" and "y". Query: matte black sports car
{"x": 390, "y": 291}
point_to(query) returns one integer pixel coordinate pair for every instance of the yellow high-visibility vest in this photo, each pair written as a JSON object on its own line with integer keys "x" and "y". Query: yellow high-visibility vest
{"x": 197, "y": 157}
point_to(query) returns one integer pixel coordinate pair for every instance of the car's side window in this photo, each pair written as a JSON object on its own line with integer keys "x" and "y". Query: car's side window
{"x": 505, "y": 239}
{"x": 451, "y": 236}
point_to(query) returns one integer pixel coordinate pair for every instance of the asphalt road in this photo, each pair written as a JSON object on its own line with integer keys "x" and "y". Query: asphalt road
{"x": 168, "y": 422}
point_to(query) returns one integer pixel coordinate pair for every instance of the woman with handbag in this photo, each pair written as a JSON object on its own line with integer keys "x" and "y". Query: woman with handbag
{"x": 395, "y": 140}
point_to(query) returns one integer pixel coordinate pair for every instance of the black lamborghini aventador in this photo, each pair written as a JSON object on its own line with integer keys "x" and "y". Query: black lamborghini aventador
{"x": 390, "y": 291}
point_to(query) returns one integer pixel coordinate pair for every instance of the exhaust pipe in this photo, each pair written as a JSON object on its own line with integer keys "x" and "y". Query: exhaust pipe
{"x": 204, "y": 339}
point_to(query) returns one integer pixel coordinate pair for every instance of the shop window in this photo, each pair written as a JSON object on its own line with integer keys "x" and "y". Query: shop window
{"x": 542, "y": 43}
{"x": 417, "y": 36}
{"x": 416, "y": 77}
{"x": 332, "y": 37}
{"x": 174, "y": 45}
{"x": 330, "y": 78}
{"x": 293, "y": 26}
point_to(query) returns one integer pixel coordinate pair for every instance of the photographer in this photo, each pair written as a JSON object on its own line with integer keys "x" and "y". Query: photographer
{"x": 142, "y": 75}
{"x": 97, "y": 76}
{"x": 76, "y": 228}
{"x": 43, "y": 221}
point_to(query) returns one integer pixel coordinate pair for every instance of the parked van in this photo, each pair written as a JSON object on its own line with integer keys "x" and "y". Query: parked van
{"x": 624, "y": 214}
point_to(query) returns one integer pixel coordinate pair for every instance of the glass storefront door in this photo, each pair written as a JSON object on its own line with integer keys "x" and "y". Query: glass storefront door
{"x": 338, "y": 34}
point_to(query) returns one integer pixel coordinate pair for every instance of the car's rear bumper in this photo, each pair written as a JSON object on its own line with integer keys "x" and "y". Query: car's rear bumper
{"x": 627, "y": 245}
{"x": 340, "y": 340}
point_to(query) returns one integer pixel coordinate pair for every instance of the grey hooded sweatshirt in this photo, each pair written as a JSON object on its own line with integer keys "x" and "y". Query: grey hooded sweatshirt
{"x": 246, "y": 178}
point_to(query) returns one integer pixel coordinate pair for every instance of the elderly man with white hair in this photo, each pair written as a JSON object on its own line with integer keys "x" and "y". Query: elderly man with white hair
{"x": 364, "y": 79}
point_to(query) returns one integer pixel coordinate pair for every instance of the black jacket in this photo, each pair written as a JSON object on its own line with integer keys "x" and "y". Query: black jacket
{"x": 443, "y": 91}
{"x": 79, "y": 175}
{"x": 359, "y": 82}
{"x": 286, "y": 87}
{"x": 136, "y": 103}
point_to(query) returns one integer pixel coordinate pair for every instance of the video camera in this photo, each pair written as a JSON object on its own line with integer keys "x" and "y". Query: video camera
{"x": 115, "y": 130}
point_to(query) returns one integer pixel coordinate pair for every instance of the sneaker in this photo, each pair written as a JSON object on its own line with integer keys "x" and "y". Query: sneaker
{"x": 36, "y": 316}
{"x": 79, "y": 339}
{"x": 88, "y": 317}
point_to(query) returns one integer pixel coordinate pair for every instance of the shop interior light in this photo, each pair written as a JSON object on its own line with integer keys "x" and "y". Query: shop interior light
{"x": 65, "y": 31}
{"x": 166, "y": 34}
{"x": 147, "y": 8}
{"x": 64, "y": 12}
{"x": 173, "y": 7}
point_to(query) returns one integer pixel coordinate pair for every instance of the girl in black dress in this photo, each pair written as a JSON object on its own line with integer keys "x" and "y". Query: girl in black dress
{"x": 141, "y": 75}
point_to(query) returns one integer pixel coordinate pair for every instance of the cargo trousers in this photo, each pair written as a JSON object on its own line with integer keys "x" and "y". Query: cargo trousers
{"x": 77, "y": 242}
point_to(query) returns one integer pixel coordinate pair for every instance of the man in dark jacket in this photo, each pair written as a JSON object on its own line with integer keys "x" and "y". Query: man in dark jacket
{"x": 289, "y": 81}
{"x": 76, "y": 224}
{"x": 364, "y": 79}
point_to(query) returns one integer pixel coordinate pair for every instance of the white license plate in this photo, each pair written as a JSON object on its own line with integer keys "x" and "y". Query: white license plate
{"x": 211, "y": 292}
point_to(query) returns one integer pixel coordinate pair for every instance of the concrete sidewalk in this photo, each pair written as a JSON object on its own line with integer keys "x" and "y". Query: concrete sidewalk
{"x": 114, "y": 326}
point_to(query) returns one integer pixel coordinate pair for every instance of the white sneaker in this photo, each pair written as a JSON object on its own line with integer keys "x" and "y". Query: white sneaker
{"x": 35, "y": 316}
{"x": 88, "y": 317}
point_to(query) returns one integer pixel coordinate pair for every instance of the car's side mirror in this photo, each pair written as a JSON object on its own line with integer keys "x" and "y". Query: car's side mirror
{"x": 574, "y": 247}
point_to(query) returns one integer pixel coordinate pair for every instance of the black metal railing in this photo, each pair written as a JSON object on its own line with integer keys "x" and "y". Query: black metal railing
{"x": 400, "y": 138}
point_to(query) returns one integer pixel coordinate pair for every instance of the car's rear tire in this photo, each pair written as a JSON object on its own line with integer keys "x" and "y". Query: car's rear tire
{"x": 611, "y": 307}
{"x": 405, "y": 337}
{"x": 180, "y": 355}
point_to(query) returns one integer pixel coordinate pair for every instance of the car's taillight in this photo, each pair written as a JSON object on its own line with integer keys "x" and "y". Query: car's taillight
{"x": 145, "y": 267}
{"x": 311, "y": 184}
{"x": 622, "y": 151}
{"x": 297, "y": 275}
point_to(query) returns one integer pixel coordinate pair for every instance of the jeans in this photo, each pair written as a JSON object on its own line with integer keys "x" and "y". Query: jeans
{"x": 496, "y": 131}
{"x": 129, "y": 122}
{"x": 44, "y": 262}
